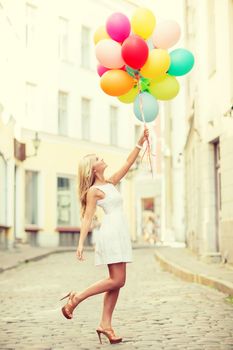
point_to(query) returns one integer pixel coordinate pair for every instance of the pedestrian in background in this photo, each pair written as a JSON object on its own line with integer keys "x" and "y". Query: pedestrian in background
{"x": 113, "y": 244}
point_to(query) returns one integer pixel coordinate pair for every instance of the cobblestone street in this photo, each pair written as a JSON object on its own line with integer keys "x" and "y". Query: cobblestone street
{"x": 155, "y": 310}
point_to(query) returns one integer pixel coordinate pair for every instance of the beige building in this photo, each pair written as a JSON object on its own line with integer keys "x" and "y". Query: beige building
{"x": 6, "y": 181}
{"x": 50, "y": 89}
{"x": 209, "y": 143}
{"x": 172, "y": 138}
{"x": 197, "y": 136}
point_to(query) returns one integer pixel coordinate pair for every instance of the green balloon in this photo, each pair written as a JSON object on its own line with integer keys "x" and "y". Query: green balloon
{"x": 182, "y": 62}
{"x": 130, "y": 96}
{"x": 164, "y": 89}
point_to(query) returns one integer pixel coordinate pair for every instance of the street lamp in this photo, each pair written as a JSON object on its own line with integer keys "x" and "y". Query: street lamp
{"x": 229, "y": 112}
{"x": 36, "y": 144}
{"x": 20, "y": 148}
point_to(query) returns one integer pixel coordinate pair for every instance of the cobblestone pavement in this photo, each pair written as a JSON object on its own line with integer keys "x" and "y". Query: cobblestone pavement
{"x": 155, "y": 310}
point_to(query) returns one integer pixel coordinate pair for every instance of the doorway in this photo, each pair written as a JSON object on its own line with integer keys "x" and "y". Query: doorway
{"x": 149, "y": 222}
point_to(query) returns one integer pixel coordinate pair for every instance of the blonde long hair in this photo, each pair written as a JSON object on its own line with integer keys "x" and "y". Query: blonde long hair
{"x": 86, "y": 179}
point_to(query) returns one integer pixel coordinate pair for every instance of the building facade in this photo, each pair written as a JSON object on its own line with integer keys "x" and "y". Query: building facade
{"x": 197, "y": 138}
{"x": 208, "y": 148}
{"x": 51, "y": 90}
{"x": 6, "y": 182}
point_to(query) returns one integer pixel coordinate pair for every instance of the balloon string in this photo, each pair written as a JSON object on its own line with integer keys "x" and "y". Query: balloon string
{"x": 148, "y": 147}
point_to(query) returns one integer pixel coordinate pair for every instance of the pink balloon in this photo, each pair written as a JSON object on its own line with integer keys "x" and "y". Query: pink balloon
{"x": 118, "y": 26}
{"x": 108, "y": 53}
{"x": 101, "y": 70}
{"x": 166, "y": 34}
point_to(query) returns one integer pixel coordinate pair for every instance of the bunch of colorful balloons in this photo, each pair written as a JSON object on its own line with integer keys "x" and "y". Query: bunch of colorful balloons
{"x": 134, "y": 62}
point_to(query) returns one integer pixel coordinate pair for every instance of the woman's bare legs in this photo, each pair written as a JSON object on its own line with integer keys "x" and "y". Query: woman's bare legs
{"x": 110, "y": 299}
{"x": 115, "y": 281}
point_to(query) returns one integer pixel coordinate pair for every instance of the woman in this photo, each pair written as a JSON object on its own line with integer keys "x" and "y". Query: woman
{"x": 113, "y": 245}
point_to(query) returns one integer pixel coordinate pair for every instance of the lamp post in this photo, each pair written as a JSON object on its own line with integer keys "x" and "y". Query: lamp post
{"x": 20, "y": 148}
{"x": 229, "y": 112}
{"x": 36, "y": 144}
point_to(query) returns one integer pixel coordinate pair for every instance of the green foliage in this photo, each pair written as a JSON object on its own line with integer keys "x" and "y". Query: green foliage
{"x": 229, "y": 299}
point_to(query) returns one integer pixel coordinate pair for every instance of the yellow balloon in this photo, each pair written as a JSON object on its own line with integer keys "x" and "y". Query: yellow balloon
{"x": 143, "y": 22}
{"x": 100, "y": 34}
{"x": 157, "y": 64}
{"x": 130, "y": 96}
{"x": 165, "y": 89}
{"x": 159, "y": 78}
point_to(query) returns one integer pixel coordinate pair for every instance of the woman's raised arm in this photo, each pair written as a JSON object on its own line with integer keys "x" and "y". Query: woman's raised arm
{"x": 115, "y": 178}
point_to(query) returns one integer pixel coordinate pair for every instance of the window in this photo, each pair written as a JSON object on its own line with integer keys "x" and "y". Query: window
{"x": 191, "y": 19}
{"x": 85, "y": 49}
{"x": 30, "y": 28}
{"x": 63, "y": 39}
{"x": 31, "y": 100}
{"x": 86, "y": 118}
{"x": 67, "y": 213}
{"x": 62, "y": 113}
{"x": 3, "y": 185}
{"x": 148, "y": 204}
{"x": 31, "y": 197}
{"x": 113, "y": 125}
{"x": 211, "y": 37}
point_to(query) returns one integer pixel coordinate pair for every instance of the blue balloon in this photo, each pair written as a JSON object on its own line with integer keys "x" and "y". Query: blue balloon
{"x": 182, "y": 62}
{"x": 150, "y": 107}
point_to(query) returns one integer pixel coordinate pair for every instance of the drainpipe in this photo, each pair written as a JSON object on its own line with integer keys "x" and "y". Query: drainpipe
{"x": 5, "y": 190}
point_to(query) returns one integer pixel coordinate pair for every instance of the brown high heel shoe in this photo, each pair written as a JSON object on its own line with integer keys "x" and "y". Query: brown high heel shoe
{"x": 109, "y": 333}
{"x": 67, "y": 309}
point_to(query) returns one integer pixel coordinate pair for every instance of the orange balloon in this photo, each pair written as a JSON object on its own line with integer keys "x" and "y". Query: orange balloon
{"x": 116, "y": 82}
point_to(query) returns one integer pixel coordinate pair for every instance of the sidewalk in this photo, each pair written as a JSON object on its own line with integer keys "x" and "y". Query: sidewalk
{"x": 186, "y": 265}
{"x": 24, "y": 253}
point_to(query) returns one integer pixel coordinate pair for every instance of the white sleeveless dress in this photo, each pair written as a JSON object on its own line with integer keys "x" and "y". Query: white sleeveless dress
{"x": 113, "y": 243}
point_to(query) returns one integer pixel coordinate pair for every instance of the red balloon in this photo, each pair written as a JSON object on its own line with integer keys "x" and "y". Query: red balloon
{"x": 134, "y": 51}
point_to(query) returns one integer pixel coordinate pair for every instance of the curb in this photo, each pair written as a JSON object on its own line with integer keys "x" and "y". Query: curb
{"x": 39, "y": 257}
{"x": 187, "y": 275}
